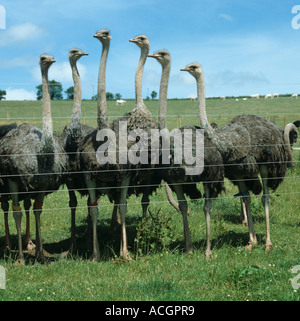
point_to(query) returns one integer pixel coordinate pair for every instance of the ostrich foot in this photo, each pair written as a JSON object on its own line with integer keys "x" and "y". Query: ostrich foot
{"x": 189, "y": 251}
{"x": 269, "y": 246}
{"x": 96, "y": 258}
{"x": 208, "y": 255}
{"x": 30, "y": 245}
{"x": 20, "y": 262}
{"x": 127, "y": 257}
{"x": 249, "y": 247}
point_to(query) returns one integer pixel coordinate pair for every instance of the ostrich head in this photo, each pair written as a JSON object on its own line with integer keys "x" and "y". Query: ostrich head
{"x": 142, "y": 41}
{"x": 162, "y": 56}
{"x": 103, "y": 35}
{"x": 46, "y": 61}
{"x": 75, "y": 54}
{"x": 194, "y": 69}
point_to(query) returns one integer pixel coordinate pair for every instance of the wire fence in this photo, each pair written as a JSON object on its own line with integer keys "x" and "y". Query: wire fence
{"x": 154, "y": 170}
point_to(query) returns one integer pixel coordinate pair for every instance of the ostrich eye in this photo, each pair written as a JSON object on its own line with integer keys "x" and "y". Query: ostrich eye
{"x": 142, "y": 38}
{"x": 43, "y": 58}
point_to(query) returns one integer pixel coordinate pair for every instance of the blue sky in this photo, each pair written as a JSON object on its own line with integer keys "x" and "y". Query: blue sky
{"x": 245, "y": 47}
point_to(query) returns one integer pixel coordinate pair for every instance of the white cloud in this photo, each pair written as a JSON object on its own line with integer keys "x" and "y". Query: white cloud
{"x": 60, "y": 72}
{"x": 226, "y": 17}
{"x": 25, "y": 61}
{"x": 19, "y": 33}
{"x": 238, "y": 78}
{"x": 20, "y": 94}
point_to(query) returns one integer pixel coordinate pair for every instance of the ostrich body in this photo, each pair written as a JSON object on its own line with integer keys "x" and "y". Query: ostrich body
{"x": 4, "y": 199}
{"x": 176, "y": 176}
{"x": 33, "y": 163}
{"x": 142, "y": 180}
{"x": 70, "y": 139}
{"x": 250, "y": 146}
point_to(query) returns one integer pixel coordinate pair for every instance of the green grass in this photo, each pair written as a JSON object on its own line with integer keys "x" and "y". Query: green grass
{"x": 163, "y": 272}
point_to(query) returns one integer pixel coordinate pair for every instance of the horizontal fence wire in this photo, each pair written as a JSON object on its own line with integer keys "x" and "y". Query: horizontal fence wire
{"x": 262, "y": 114}
{"x": 125, "y": 170}
{"x": 119, "y": 187}
{"x": 173, "y": 167}
{"x": 155, "y": 202}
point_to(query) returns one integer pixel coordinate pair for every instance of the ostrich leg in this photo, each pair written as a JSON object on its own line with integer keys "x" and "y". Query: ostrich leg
{"x": 247, "y": 201}
{"x": 93, "y": 212}
{"x": 37, "y": 209}
{"x": 243, "y": 215}
{"x": 17, "y": 213}
{"x": 73, "y": 206}
{"x": 170, "y": 197}
{"x": 27, "y": 205}
{"x": 266, "y": 200}
{"x": 207, "y": 211}
{"x": 123, "y": 211}
{"x": 184, "y": 209}
{"x": 5, "y": 208}
{"x": 145, "y": 203}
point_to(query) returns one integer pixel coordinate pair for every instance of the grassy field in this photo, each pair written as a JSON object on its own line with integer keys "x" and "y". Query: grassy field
{"x": 160, "y": 270}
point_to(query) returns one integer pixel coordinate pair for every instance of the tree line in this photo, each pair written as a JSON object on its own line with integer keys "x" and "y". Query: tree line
{"x": 56, "y": 92}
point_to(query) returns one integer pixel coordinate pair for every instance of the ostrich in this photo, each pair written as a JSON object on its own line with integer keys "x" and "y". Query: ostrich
{"x": 33, "y": 163}
{"x": 96, "y": 177}
{"x": 3, "y": 191}
{"x": 70, "y": 140}
{"x": 141, "y": 180}
{"x": 176, "y": 176}
{"x": 250, "y": 146}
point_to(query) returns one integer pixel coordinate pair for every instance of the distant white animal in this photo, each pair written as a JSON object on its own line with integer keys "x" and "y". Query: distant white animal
{"x": 222, "y": 98}
{"x": 268, "y": 96}
{"x": 255, "y": 96}
{"x": 245, "y": 98}
{"x": 237, "y": 99}
{"x": 120, "y": 101}
{"x": 276, "y": 95}
{"x": 192, "y": 98}
{"x": 295, "y": 96}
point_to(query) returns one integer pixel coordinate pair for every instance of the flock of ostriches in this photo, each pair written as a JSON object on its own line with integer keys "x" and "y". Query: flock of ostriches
{"x": 34, "y": 162}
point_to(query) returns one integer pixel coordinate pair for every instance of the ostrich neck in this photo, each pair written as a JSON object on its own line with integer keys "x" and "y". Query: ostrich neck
{"x": 139, "y": 103}
{"x": 202, "y": 104}
{"x": 163, "y": 96}
{"x": 76, "y": 112}
{"x": 208, "y": 130}
{"x": 47, "y": 117}
{"x": 102, "y": 105}
{"x": 287, "y": 129}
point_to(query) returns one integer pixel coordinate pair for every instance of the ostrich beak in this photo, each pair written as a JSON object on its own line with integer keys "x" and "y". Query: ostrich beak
{"x": 133, "y": 40}
{"x": 152, "y": 55}
{"x": 184, "y": 69}
{"x": 85, "y": 54}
